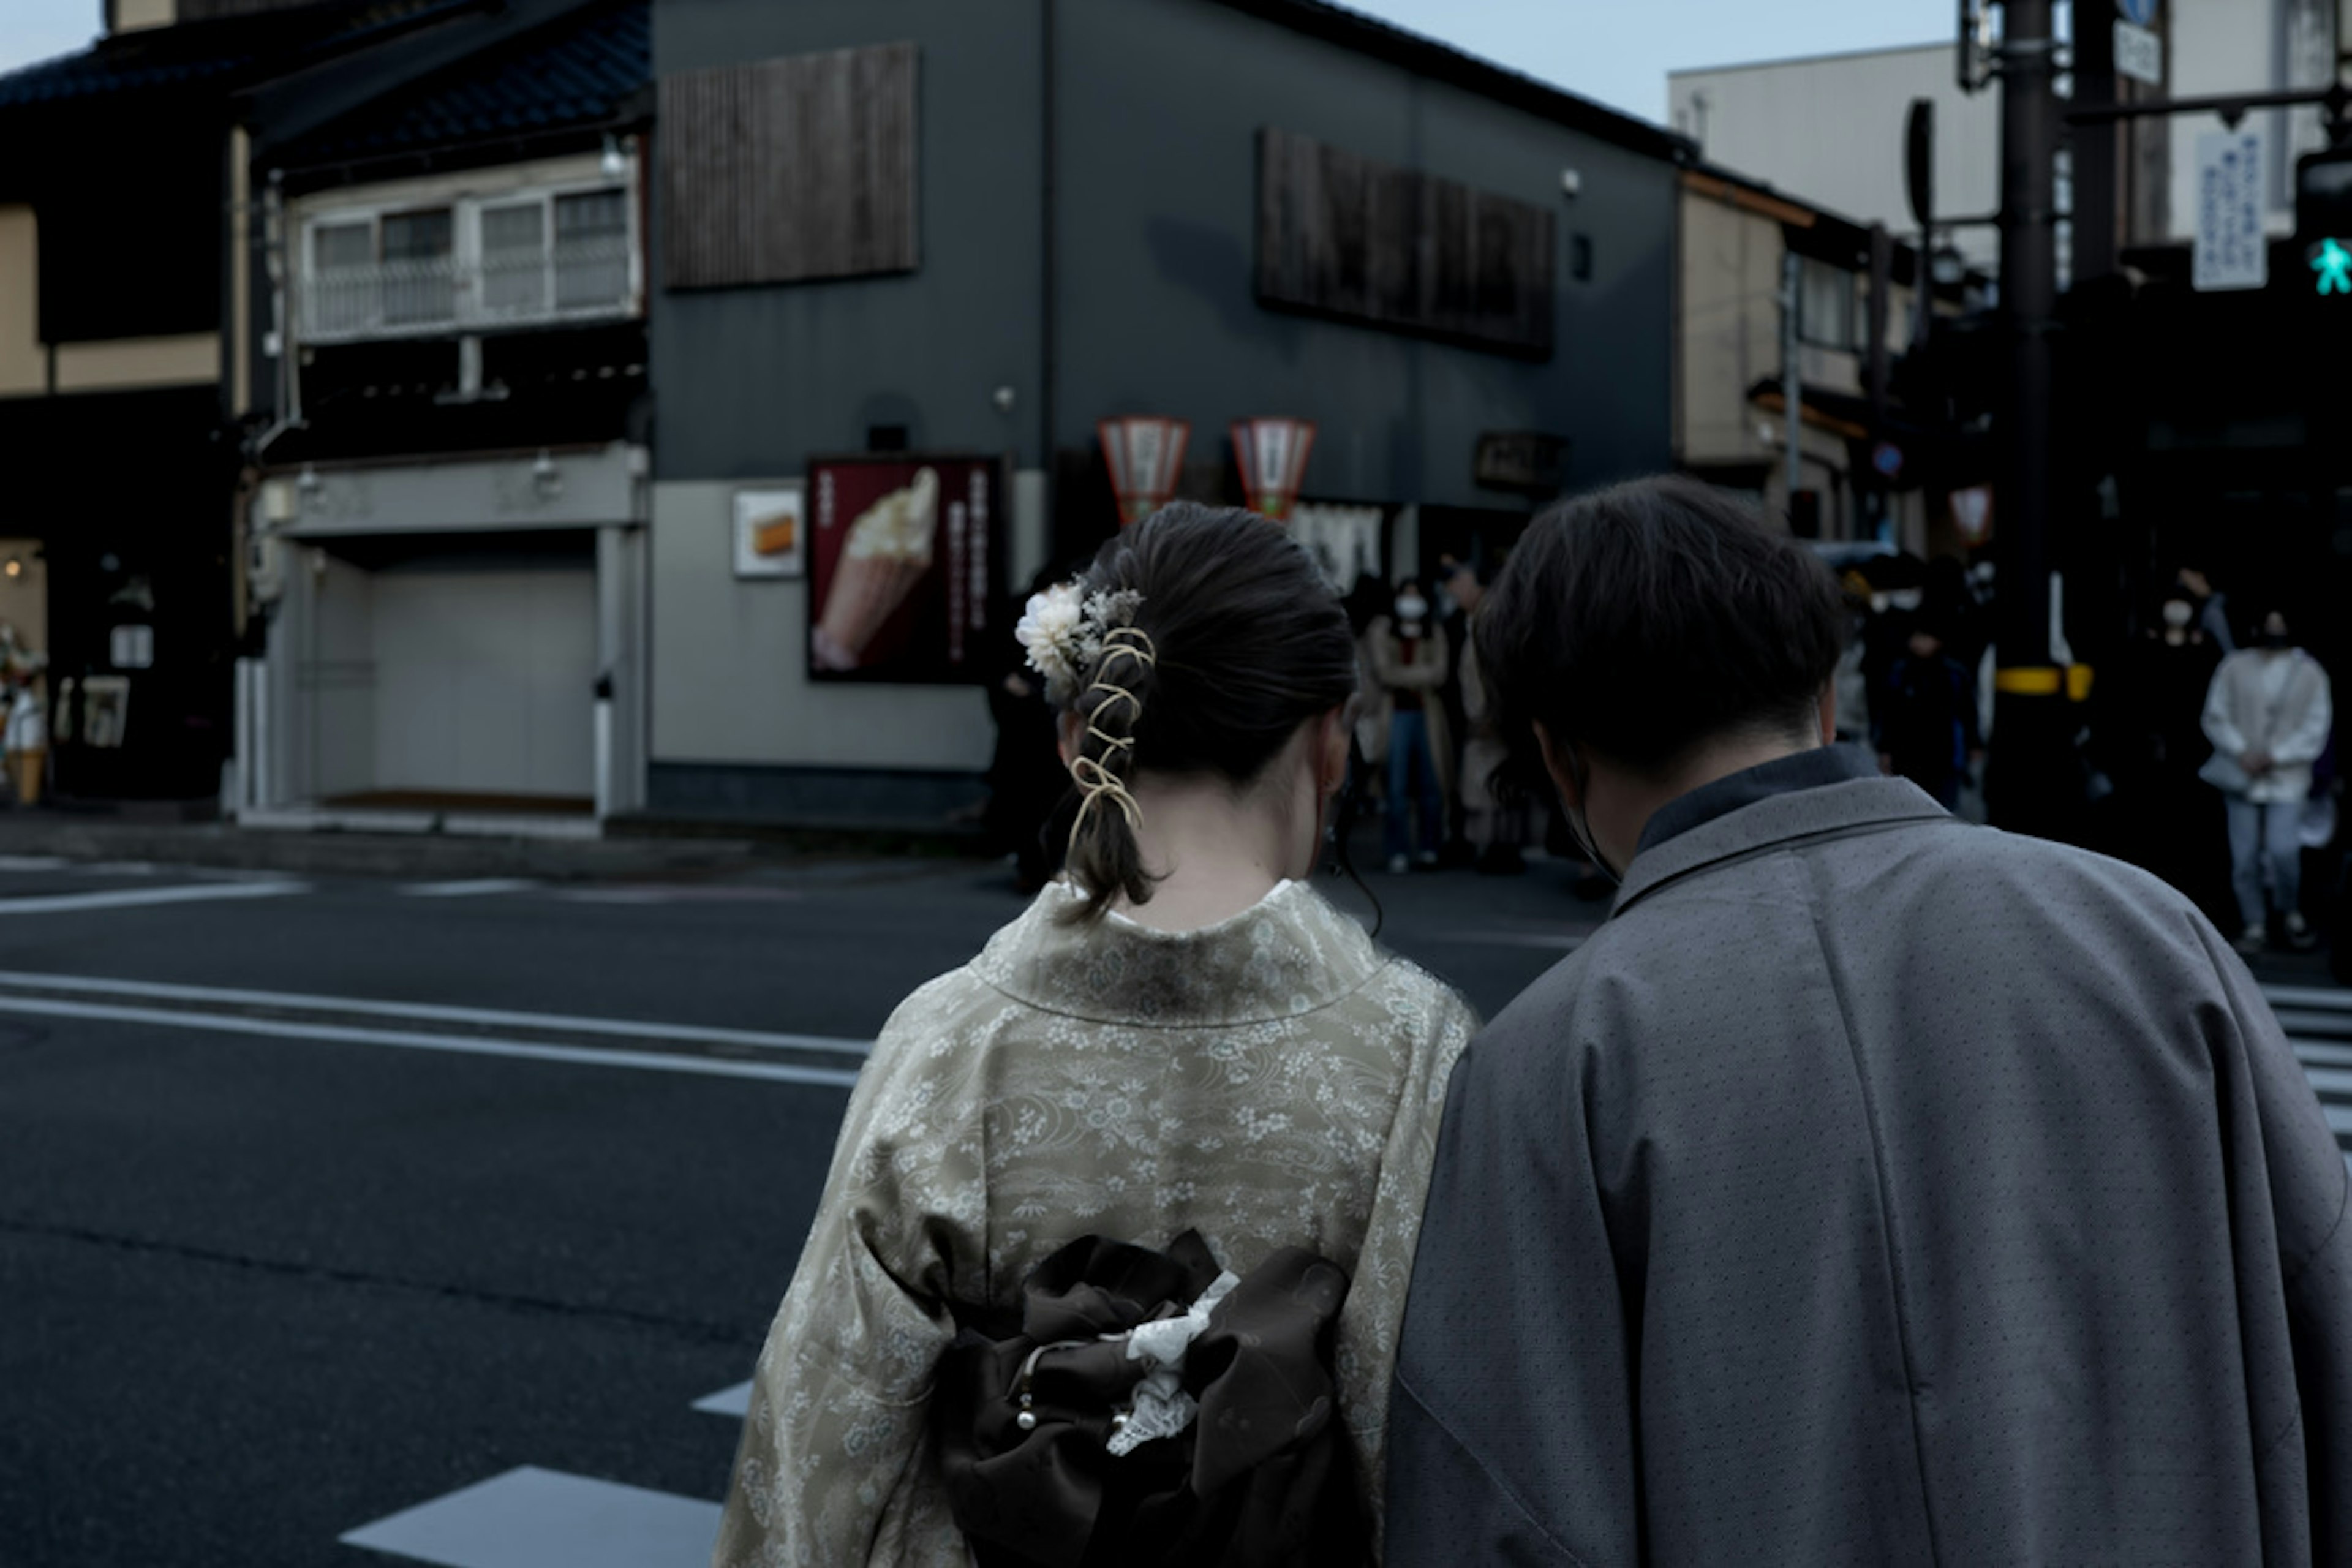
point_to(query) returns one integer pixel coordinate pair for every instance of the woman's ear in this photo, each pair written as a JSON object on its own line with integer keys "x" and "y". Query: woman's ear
{"x": 1333, "y": 732}
{"x": 1069, "y": 737}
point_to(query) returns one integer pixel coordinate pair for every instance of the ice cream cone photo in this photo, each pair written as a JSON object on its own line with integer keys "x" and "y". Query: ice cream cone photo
{"x": 887, "y": 553}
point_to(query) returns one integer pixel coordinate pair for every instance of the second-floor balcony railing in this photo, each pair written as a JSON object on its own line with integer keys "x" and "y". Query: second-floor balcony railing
{"x": 573, "y": 281}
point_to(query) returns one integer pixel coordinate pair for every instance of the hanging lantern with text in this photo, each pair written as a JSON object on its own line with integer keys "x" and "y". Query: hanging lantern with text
{"x": 1146, "y": 454}
{"x": 1273, "y": 458}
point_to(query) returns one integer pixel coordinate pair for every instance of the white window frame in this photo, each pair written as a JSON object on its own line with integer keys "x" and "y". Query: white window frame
{"x": 1843, "y": 336}
{"x": 466, "y": 208}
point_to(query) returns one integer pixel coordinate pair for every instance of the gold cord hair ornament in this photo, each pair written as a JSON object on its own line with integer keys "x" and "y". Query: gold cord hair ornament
{"x": 1095, "y": 779}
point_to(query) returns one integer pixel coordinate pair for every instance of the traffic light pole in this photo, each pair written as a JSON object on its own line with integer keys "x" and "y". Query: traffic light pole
{"x": 2026, "y": 789}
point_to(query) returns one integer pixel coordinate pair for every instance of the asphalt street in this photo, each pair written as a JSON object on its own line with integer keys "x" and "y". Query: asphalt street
{"x": 337, "y": 1207}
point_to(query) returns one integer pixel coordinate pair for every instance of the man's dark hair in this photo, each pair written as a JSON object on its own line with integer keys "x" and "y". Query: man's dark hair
{"x": 1641, "y": 621}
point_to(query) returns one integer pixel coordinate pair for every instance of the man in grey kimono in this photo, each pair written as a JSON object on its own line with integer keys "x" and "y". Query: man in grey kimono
{"x": 1870, "y": 1188}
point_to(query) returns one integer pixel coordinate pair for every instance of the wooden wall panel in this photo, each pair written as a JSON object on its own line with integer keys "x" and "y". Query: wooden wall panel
{"x": 1350, "y": 237}
{"x": 787, "y": 170}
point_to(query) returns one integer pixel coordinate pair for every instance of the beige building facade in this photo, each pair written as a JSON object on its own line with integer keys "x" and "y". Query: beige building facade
{"x": 1730, "y": 417}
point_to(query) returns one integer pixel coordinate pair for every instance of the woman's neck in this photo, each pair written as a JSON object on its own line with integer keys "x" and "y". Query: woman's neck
{"x": 1217, "y": 855}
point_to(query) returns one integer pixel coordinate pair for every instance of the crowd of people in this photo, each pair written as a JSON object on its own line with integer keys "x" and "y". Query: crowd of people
{"x": 1872, "y": 1186}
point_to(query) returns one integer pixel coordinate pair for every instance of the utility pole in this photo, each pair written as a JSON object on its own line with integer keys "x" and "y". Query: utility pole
{"x": 2032, "y": 727}
{"x": 1793, "y": 396}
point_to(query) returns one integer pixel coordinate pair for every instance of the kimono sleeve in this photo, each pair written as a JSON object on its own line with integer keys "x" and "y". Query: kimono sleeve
{"x": 2305, "y": 1485}
{"x": 829, "y": 1450}
{"x": 1442, "y": 1024}
{"x": 1510, "y": 1432}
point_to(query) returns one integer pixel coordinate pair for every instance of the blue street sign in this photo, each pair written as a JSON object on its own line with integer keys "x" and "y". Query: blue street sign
{"x": 2139, "y": 12}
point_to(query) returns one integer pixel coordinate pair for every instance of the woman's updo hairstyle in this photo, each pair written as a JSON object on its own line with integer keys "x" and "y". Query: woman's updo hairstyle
{"x": 1246, "y": 642}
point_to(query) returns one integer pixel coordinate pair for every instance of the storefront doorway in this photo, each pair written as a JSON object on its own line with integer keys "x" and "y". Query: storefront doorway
{"x": 454, "y": 673}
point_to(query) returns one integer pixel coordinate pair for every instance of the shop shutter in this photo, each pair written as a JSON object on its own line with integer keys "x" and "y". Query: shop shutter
{"x": 789, "y": 169}
{"x": 1346, "y": 235}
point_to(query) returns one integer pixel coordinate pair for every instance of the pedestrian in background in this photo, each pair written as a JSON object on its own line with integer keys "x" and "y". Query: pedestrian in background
{"x": 2212, "y": 605}
{"x": 1405, "y": 651}
{"x": 1493, "y": 804}
{"x": 2174, "y": 816}
{"x": 1926, "y": 722}
{"x": 1180, "y": 1037}
{"x": 2269, "y": 713}
{"x": 1026, "y": 778}
{"x": 1870, "y": 1187}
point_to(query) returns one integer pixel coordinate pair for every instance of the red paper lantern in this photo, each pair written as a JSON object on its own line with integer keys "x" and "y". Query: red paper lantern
{"x": 1146, "y": 454}
{"x": 1273, "y": 458}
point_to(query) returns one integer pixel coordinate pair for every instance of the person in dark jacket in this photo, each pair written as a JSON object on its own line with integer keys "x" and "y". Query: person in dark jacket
{"x": 1870, "y": 1187}
{"x": 1927, "y": 725}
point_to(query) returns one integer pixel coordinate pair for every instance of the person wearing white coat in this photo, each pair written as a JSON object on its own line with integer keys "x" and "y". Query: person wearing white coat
{"x": 2268, "y": 714}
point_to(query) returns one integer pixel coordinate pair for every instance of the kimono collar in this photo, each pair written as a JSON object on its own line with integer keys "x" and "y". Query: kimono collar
{"x": 1777, "y": 821}
{"x": 1288, "y": 955}
{"x": 1798, "y": 770}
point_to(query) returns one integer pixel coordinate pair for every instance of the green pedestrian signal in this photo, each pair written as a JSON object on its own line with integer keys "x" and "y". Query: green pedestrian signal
{"x": 2333, "y": 265}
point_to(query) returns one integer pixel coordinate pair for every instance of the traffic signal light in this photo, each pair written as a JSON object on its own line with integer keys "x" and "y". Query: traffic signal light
{"x": 2323, "y": 220}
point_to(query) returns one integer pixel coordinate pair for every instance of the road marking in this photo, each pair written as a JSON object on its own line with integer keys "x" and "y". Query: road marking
{"x": 461, "y": 1044}
{"x": 425, "y": 1012}
{"x": 134, "y": 898}
{"x": 480, "y": 887}
{"x": 531, "y": 1518}
{"x": 33, "y": 862}
{"x": 682, "y": 893}
{"x": 2326, "y": 997}
{"x": 735, "y": 1401}
{"x": 1561, "y": 941}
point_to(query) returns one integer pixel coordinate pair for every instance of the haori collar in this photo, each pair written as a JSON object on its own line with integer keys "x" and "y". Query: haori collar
{"x": 1288, "y": 955}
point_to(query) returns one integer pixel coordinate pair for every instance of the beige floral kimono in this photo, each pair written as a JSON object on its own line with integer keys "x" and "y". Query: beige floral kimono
{"x": 1272, "y": 1081}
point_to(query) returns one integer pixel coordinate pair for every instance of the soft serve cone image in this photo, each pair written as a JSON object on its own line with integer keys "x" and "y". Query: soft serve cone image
{"x": 887, "y": 553}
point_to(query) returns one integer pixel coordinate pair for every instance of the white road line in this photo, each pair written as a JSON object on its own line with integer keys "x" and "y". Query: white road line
{"x": 428, "y": 1012}
{"x": 33, "y": 862}
{"x": 134, "y": 898}
{"x": 682, "y": 893}
{"x": 480, "y": 887}
{"x": 2326, "y": 997}
{"x": 2320, "y": 1052}
{"x": 531, "y": 1518}
{"x": 735, "y": 1401}
{"x": 460, "y": 1045}
{"x": 1558, "y": 941}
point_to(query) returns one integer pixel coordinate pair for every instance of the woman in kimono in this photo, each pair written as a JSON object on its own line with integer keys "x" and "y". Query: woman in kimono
{"x": 1179, "y": 1034}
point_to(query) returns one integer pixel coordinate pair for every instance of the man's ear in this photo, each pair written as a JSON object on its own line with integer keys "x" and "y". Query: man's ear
{"x": 1563, "y": 777}
{"x": 1069, "y": 737}
{"x": 1828, "y": 712}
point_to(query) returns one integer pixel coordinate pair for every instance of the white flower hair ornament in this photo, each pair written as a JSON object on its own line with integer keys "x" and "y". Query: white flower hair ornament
{"x": 1063, "y": 630}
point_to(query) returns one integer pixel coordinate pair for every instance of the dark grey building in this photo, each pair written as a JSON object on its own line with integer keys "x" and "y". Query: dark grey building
{"x": 962, "y": 227}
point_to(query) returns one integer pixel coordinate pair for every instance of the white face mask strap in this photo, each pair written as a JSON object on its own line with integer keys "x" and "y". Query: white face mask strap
{"x": 1580, "y": 819}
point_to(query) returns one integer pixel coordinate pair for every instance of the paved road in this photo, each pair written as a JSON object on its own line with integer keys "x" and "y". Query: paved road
{"x": 324, "y": 1203}
{"x": 346, "y": 1218}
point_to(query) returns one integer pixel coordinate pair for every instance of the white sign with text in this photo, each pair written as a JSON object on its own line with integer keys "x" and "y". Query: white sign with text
{"x": 2233, "y": 250}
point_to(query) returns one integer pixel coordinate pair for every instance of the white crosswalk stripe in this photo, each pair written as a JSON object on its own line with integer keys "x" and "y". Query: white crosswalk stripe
{"x": 2318, "y": 1025}
{"x": 531, "y": 1518}
{"x": 475, "y": 888}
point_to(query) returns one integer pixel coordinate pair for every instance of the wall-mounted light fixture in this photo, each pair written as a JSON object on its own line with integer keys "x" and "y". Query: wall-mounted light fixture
{"x": 614, "y": 164}
{"x": 545, "y": 478}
